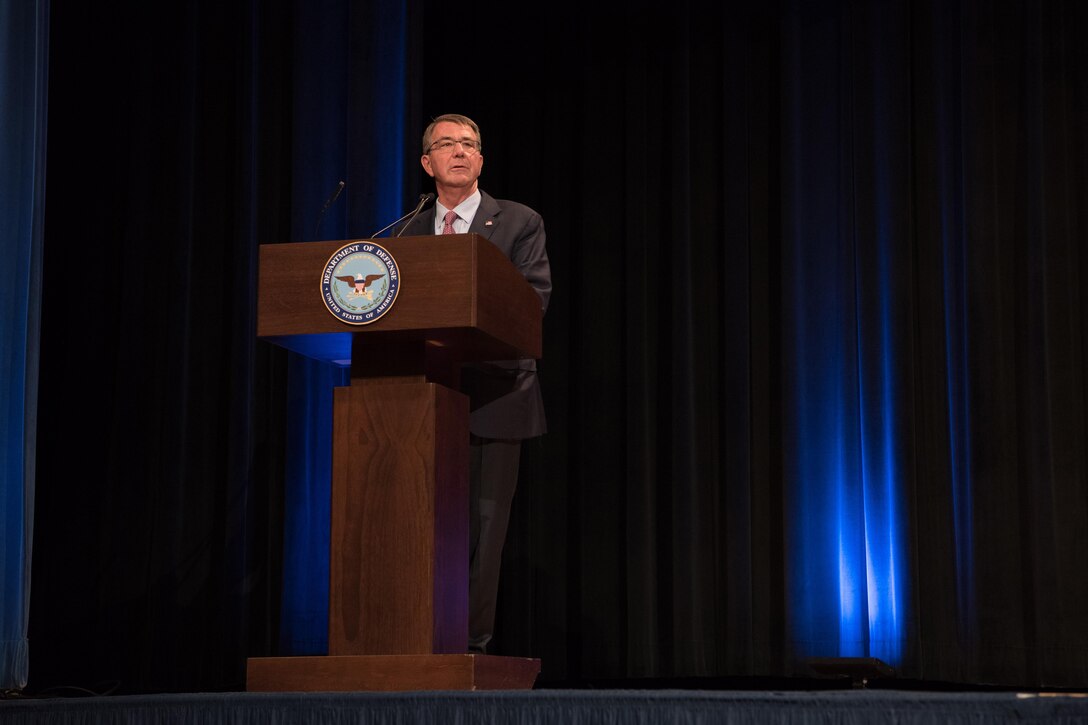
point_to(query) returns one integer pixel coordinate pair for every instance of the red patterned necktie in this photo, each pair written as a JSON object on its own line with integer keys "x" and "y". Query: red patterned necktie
{"x": 448, "y": 228}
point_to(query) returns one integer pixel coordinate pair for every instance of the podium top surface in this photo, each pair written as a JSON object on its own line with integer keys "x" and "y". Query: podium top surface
{"x": 455, "y": 290}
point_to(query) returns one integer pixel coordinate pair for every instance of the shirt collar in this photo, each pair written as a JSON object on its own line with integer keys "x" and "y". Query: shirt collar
{"x": 466, "y": 212}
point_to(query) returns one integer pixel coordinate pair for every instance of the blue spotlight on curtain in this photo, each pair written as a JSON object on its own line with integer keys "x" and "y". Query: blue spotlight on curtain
{"x": 843, "y": 287}
{"x": 845, "y": 541}
{"x": 880, "y": 465}
{"x": 349, "y": 125}
{"x": 24, "y": 33}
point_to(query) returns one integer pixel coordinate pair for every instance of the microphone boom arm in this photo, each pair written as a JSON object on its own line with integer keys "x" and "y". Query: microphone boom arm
{"x": 423, "y": 199}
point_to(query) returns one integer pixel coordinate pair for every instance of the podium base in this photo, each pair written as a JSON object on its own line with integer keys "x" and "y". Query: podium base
{"x": 378, "y": 673}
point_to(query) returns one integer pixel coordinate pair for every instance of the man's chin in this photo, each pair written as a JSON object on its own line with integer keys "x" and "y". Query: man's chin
{"x": 459, "y": 181}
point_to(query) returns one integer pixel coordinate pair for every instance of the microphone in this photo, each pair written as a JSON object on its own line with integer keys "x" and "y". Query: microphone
{"x": 321, "y": 216}
{"x": 424, "y": 199}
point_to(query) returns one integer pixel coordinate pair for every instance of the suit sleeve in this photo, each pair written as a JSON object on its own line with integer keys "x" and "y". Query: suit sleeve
{"x": 530, "y": 257}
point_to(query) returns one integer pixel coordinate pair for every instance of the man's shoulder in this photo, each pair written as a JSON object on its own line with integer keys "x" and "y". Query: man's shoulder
{"x": 490, "y": 205}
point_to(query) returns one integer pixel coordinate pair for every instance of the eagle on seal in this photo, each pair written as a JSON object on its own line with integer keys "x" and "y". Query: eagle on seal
{"x": 360, "y": 283}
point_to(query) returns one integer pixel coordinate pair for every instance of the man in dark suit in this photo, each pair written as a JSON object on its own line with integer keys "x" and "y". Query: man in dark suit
{"x": 504, "y": 395}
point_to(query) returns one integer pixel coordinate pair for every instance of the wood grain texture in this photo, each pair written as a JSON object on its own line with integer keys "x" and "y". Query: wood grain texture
{"x": 390, "y": 673}
{"x": 399, "y": 538}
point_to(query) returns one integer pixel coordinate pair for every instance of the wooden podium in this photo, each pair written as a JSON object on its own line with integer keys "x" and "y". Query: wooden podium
{"x": 398, "y": 569}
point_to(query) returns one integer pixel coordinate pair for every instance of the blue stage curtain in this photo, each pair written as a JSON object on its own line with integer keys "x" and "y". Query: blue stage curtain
{"x": 845, "y": 128}
{"x": 24, "y": 38}
{"x": 350, "y": 125}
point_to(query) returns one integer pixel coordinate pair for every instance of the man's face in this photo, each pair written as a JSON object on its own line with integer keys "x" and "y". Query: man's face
{"x": 456, "y": 166}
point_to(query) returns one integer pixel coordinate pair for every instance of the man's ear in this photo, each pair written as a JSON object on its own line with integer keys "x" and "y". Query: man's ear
{"x": 426, "y": 161}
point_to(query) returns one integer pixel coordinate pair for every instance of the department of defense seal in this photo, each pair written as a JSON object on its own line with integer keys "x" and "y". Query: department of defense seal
{"x": 360, "y": 282}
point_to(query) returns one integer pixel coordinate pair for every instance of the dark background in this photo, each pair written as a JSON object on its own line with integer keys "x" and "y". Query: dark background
{"x": 754, "y": 212}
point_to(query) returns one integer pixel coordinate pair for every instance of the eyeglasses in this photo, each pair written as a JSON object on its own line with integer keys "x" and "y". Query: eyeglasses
{"x": 445, "y": 146}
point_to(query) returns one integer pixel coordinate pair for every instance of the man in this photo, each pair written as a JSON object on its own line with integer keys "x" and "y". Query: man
{"x": 504, "y": 396}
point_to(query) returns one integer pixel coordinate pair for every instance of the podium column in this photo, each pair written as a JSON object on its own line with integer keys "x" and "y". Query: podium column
{"x": 399, "y": 537}
{"x": 398, "y": 566}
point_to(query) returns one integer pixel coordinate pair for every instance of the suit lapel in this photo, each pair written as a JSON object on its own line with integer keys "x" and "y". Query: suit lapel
{"x": 487, "y": 217}
{"x": 422, "y": 225}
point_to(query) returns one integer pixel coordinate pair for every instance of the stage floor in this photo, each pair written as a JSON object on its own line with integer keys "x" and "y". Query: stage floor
{"x": 615, "y": 707}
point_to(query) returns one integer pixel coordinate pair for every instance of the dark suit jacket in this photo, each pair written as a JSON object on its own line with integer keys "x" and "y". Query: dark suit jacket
{"x": 505, "y": 395}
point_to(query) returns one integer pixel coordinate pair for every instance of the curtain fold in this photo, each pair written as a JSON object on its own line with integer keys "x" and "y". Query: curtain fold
{"x": 24, "y": 43}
